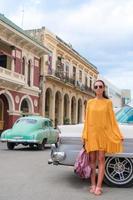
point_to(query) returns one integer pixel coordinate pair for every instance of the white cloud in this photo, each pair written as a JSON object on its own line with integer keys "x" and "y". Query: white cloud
{"x": 101, "y": 30}
{"x": 122, "y": 78}
{"x": 95, "y": 19}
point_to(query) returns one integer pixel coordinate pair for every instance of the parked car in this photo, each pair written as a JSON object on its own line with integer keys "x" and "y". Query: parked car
{"x": 119, "y": 167}
{"x": 31, "y": 130}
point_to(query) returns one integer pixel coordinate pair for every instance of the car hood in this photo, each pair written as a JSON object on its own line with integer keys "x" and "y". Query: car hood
{"x": 76, "y": 130}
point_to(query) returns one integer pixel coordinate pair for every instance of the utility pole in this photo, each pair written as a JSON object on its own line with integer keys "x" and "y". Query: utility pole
{"x": 22, "y": 22}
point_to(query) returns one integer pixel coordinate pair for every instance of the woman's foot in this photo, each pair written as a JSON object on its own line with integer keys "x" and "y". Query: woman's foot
{"x": 98, "y": 191}
{"x": 92, "y": 189}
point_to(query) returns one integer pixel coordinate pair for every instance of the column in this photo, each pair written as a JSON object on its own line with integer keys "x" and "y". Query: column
{"x": 52, "y": 111}
{"x": 69, "y": 112}
{"x": 62, "y": 109}
{"x": 76, "y": 112}
{"x": 83, "y": 111}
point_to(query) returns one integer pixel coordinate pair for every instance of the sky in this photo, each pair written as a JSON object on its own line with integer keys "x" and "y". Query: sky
{"x": 100, "y": 30}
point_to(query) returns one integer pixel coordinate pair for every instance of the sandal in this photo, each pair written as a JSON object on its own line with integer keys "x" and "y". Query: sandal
{"x": 98, "y": 191}
{"x": 92, "y": 189}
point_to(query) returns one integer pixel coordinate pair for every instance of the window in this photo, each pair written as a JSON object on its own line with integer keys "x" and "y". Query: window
{"x": 46, "y": 124}
{"x": 80, "y": 75}
{"x": 26, "y": 121}
{"x": 74, "y": 73}
{"x": 86, "y": 81}
{"x": 90, "y": 82}
{"x": 23, "y": 66}
{"x": 3, "y": 61}
{"x": 67, "y": 70}
{"x": 58, "y": 61}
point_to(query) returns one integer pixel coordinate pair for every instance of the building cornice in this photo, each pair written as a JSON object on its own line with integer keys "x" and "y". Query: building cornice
{"x": 20, "y": 35}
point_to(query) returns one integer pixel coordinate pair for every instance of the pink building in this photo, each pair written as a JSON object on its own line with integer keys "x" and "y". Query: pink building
{"x": 21, "y": 63}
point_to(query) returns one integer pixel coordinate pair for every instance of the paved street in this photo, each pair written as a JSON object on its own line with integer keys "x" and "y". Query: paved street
{"x": 25, "y": 175}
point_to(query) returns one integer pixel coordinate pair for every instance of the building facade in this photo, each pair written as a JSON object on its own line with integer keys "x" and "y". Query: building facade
{"x": 67, "y": 80}
{"x": 119, "y": 97}
{"x": 21, "y": 58}
{"x": 126, "y": 96}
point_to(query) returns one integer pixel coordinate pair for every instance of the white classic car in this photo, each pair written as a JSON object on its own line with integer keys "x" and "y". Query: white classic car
{"x": 119, "y": 167}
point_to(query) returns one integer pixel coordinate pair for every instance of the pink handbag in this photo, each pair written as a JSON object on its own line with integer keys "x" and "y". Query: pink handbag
{"x": 81, "y": 166}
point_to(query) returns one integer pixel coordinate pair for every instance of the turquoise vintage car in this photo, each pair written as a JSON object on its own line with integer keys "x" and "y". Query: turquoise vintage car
{"x": 31, "y": 130}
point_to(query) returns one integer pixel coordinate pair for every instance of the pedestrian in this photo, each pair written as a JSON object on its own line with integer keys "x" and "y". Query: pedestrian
{"x": 100, "y": 135}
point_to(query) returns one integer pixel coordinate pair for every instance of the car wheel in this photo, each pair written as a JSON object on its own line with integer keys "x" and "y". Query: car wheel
{"x": 42, "y": 145}
{"x": 10, "y": 145}
{"x": 119, "y": 172}
{"x": 31, "y": 146}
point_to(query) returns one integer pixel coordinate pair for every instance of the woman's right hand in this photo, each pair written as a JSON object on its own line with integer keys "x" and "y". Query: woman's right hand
{"x": 83, "y": 143}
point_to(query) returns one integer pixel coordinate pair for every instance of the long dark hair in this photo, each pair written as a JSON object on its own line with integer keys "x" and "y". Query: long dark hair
{"x": 104, "y": 93}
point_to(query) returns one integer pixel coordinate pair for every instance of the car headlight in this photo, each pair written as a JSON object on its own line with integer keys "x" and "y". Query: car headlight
{"x": 58, "y": 156}
{"x": 3, "y": 135}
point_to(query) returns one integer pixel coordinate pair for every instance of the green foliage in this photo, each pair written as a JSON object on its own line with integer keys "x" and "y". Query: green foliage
{"x": 66, "y": 120}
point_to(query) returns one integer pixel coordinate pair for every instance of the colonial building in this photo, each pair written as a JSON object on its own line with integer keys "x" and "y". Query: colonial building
{"x": 67, "y": 80}
{"x": 20, "y": 64}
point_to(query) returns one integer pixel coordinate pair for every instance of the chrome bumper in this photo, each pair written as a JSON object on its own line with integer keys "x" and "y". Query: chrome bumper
{"x": 20, "y": 141}
{"x": 56, "y": 156}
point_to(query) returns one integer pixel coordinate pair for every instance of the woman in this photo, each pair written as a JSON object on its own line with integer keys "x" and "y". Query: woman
{"x": 101, "y": 134}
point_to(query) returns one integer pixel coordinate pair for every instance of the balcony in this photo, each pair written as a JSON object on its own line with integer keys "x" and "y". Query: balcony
{"x": 11, "y": 79}
{"x": 62, "y": 77}
{"x": 59, "y": 63}
{"x": 84, "y": 88}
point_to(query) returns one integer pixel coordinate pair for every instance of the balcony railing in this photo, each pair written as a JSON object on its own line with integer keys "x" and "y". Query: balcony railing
{"x": 7, "y": 75}
{"x": 63, "y": 76}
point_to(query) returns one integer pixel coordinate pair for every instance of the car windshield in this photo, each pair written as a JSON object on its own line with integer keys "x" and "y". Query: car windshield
{"x": 27, "y": 121}
{"x": 125, "y": 115}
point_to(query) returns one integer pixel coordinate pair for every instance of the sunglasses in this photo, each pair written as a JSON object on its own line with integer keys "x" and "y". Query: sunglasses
{"x": 98, "y": 86}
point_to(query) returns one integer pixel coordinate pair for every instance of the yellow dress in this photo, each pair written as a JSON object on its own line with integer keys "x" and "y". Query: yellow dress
{"x": 101, "y": 131}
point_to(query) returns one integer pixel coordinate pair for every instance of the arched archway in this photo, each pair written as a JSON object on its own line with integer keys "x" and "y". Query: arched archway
{"x": 1, "y": 109}
{"x": 66, "y": 109}
{"x": 48, "y": 102}
{"x": 79, "y": 111}
{"x": 58, "y": 107}
{"x": 26, "y": 106}
{"x": 6, "y": 106}
{"x": 1, "y": 114}
{"x": 9, "y": 98}
{"x": 73, "y": 110}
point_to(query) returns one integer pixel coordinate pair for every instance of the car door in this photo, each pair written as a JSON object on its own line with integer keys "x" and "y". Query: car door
{"x": 52, "y": 133}
{"x": 46, "y": 132}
